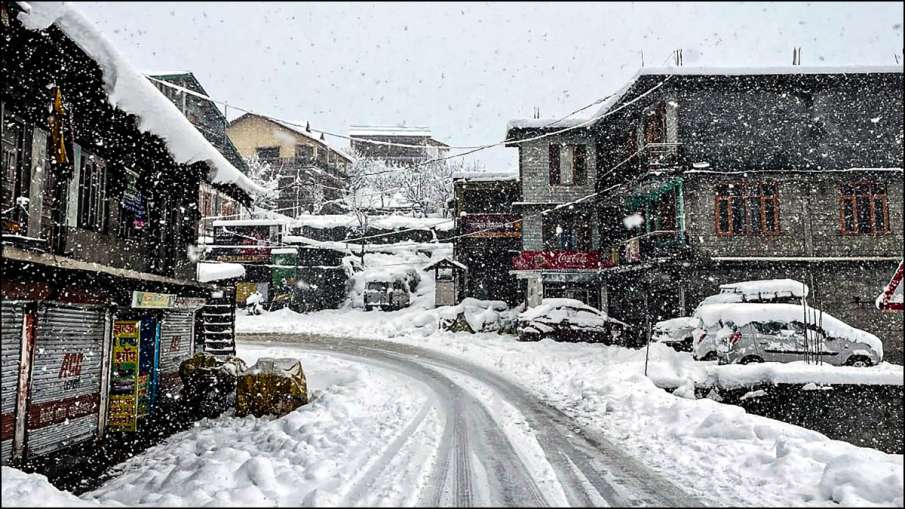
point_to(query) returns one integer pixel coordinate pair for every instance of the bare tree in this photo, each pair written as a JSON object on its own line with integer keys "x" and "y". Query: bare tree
{"x": 265, "y": 175}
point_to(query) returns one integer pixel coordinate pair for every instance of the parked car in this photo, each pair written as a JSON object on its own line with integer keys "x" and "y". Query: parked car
{"x": 569, "y": 320}
{"x": 746, "y": 332}
{"x": 678, "y": 332}
{"x": 386, "y": 295}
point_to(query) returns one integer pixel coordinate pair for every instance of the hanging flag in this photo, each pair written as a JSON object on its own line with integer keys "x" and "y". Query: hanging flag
{"x": 56, "y": 129}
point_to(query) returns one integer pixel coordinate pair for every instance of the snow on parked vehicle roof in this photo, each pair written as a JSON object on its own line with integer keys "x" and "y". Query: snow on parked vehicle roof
{"x": 548, "y": 305}
{"x": 745, "y": 313}
{"x": 777, "y": 287}
{"x": 129, "y": 91}
{"x": 389, "y": 222}
{"x": 677, "y": 323}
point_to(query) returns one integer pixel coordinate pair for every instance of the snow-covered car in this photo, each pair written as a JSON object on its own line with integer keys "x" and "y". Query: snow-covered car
{"x": 676, "y": 332}
{"x": 386, "y": 295}
{"x": 756, "y": 332}
{"x": 680, "y": 332}
{"x": 569, "y": 320}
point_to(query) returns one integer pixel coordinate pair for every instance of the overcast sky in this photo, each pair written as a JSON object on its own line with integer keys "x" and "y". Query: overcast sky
{"x": 466, "y": 69}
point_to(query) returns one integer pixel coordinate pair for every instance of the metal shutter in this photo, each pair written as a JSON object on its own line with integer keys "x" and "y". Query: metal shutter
{"x": 65, "y": 377}
{"x": 176, "y": 336}
{"x": 11, "y": 340}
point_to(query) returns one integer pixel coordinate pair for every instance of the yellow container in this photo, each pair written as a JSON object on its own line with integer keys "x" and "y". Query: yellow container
{"x": 271, "y": 386}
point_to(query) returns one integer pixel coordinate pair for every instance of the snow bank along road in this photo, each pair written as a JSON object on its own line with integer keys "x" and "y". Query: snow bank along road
{"x": 497, "y": 444}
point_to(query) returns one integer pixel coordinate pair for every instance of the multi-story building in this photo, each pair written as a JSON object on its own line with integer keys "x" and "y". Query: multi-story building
{"x": 99, "y": 208}
{"x": 560, "y": 246}
{"x": 488, "y": 234}
{"x": 753, "y": 174}
{"x": 211, "y": 123}
{"x": 388, "y": 140}
{"x": 312, "y": 174}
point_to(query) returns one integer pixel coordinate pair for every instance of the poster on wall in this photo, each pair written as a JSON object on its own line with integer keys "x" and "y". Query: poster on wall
{"x": 124, "y": 376}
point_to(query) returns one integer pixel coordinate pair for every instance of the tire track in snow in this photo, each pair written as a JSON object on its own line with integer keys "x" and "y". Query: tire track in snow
{"x": 590, "y": 468}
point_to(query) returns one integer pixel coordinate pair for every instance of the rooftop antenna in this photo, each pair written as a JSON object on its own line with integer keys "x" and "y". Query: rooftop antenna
{"x": 642, "y": 58}
{"x": 896, "y": 57}
{"x": 677, "y": 56}
{"x": 796, "y": 56}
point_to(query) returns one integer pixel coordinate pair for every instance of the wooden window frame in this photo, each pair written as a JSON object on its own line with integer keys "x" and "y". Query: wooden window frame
{"x": 875, "y": 191}
{"x": 579, "y": 164}
{"x": 553, "y": 162}
{"x": 748, "y": 190}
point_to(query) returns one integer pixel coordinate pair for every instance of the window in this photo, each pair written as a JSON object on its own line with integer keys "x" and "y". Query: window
{"x": 93, "y": 208}
{"x": 268, "y": 153}
{"x": 567, "y": 232}
{"x": 655, "y": 125}
{"x": 863, "y": 208}
{"x": 304, "y": 152}
{"x": 748, "y": 208}
{"x": 568, "y": 164}
{"x": 15, "y": 182}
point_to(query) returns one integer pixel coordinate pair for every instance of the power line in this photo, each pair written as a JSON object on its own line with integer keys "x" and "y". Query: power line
{"x": 439, "y": 159}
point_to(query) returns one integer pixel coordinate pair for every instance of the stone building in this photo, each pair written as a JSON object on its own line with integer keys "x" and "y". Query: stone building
{"x": 428, "y": 148}
{"x": 482, "y": 206}
{"x": 312, "y": 174}
{"x": 717, "y": 176}
{"x": 753, "y": 174}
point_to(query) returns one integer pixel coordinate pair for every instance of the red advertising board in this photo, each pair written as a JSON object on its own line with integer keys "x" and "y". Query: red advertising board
{"x": 492, "y": 225}
{"x": 535, "y": 260}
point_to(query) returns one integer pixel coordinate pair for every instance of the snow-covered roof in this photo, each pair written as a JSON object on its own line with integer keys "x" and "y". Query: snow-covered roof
{"x": 767, "y": 287}
{"x": 891, "y": 298}
{"x": 741, "y": 71}
{"x": 216, "y": 271}
{"x": 378, "y": 222}
{"x": 549, "y": 304}
{"x": 486, "y": 176}
{"x": 446, "y": 260}
{"x": 745, "y": 313}
{"x": 541, "y": 123}
{"x": 250, "y": 222}
{"x": 294, "y": 126}
{"x": 374, "y": 130}
{"x": 769, "y": 70}
{"x": 129, "y": 91}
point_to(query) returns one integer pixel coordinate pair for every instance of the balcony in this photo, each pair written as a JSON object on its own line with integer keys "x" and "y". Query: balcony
{"x": 656, "y": 245}
{"x": 660, "y": 155}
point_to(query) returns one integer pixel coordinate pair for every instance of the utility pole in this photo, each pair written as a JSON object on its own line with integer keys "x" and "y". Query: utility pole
{"x": 647, "y": 330}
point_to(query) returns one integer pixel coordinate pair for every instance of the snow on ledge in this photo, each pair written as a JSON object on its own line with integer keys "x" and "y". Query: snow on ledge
{"x": 208, "y": 272}
{"x": 129, "y": 91}
{"x": 772, "y": 70}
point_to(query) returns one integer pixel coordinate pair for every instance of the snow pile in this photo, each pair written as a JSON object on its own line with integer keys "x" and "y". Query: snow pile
{"x": 480, "y": 315}
{"x": 216, "y": 271}
{"x": 34, "y": 490}
{"x": 129, "y": 91}
{"x": 544, "y": 123}
{"x": 548, "y": 308}
{"x": 320, "y": 454}
{"x": 745, "y": 313}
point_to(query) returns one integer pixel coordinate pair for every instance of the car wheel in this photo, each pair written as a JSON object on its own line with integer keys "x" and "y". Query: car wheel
{"x": 711, "y": 356}
{"x": 751, "y": 359}
{"x": 529, "y": 337}
{"x": 859, "y": 361}
{"x": 368, "y": 307}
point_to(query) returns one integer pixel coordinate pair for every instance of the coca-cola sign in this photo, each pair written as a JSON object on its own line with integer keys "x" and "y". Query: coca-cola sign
{"x": 535, "y": 260}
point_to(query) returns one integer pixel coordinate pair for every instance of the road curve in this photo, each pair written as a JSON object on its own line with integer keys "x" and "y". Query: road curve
{"x": 477, "y": 464}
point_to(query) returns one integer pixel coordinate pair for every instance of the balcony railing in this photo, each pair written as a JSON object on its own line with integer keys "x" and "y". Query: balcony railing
{"x": 655, "y": 155}
{"x": 649, "y": 246}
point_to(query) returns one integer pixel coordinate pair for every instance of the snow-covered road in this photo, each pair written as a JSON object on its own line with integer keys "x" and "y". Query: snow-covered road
{"x": 496, "y": 444}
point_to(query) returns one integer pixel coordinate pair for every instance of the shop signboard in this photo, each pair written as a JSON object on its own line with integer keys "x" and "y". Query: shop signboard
{"x": 237, "y": 237}
{"x": 492, "y": 225}
{"x": 151, "y": 300}
{"x": 124, "y": 376}
{"x": 190, "y": 303}
{"x": 559, "y": 260}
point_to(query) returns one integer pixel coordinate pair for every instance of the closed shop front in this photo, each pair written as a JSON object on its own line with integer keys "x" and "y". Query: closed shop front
{"x": 176, "y": 333}
{"x": 12, "y": 350}
{"x": 66, "y": 376}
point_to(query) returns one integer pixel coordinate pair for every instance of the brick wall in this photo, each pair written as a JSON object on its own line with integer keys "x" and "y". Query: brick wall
{"x": 534, "y": 161}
